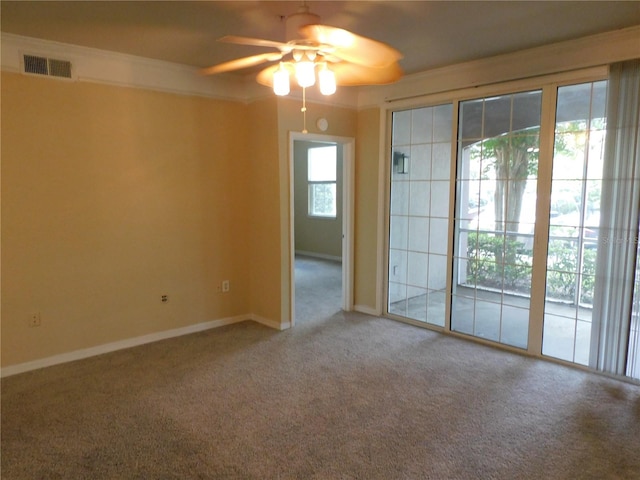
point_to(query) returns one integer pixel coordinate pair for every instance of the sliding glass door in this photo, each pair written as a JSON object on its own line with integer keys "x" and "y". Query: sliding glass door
{"x": 531, "y": 239}
{"x": 498, "y": 145}
{"x": 419, "y": 213}
{"x": 574, "y": 221}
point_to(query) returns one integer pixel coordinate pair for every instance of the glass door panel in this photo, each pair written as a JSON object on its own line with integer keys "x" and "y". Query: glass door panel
{"x": 574, "y": 221}
{"x": 498, "y": 145}
{"x": 418, "y": 226}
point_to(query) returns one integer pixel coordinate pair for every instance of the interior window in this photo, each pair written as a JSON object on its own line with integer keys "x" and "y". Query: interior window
{"x": 321, "y": 177}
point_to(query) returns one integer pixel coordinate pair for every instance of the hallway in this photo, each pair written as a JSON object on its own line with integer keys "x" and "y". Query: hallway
{"x": 318, "y": 288}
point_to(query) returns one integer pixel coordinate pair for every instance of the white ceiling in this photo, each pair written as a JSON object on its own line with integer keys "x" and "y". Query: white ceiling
{"x": 429, "y": 33}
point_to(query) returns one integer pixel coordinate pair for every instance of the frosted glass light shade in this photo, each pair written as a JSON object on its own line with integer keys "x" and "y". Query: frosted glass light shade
{"x": 305, "y": 73}
{"x": 327, "y": 81}
{"x": 281, "y": 82}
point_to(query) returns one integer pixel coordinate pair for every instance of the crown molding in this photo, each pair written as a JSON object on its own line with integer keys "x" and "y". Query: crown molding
{"x": 101, "y": 66}
{"x": 591, "y": 51}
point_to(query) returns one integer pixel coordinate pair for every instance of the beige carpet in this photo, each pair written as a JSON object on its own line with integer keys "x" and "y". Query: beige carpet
{"x": 318, "y": 288}
{"x": 343, "y": 397}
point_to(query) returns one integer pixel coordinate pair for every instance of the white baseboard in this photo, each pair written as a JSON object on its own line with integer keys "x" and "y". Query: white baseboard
{"x": 134, "y": 342}
{"x": 270, "y": 323}
{"x": 324, "y": 256}
{"x": 367, "y": 310}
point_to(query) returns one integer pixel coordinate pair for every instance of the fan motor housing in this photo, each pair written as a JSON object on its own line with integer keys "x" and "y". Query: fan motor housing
{"x": 297, "y": 20}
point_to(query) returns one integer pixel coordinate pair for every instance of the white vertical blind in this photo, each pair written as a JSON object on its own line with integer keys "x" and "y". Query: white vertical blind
{"x": 633, "y": 357}
{"x": 620, "y": 206}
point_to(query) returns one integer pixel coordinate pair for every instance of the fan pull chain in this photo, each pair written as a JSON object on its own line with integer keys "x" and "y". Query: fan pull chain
{"x": 304, "y": 110}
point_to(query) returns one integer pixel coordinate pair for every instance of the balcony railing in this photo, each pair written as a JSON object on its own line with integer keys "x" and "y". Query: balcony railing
{"x": 498, "y": 259}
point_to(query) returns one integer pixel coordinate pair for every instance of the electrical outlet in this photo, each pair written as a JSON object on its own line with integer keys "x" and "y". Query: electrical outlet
{"x": 225, "y": 286}
{"x": 164, "y": 298}
{"x": 34, "y": 319}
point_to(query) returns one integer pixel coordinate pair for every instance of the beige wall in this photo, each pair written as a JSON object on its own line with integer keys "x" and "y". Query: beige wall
{"x": 366, "y": 263}
{"x": 264, "y": 197}
{"x": 112, "y": 197}
{"x": 315, "y": 235}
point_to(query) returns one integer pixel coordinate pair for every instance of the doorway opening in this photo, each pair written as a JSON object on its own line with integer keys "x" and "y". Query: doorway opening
{"x": 321, "y": 225}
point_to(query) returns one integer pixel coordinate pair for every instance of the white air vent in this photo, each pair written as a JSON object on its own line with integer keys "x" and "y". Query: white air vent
{"x": 47, "y": 66}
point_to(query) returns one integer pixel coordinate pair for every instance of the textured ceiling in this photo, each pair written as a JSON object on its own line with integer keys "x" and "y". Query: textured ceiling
{"x": 429, "y": 33}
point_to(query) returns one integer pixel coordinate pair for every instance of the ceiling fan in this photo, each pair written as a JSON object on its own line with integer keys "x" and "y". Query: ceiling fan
{"x": 339, "y": 57}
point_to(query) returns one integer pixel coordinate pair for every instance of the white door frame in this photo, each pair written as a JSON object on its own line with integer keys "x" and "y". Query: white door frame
{"x": 348, "y": 182}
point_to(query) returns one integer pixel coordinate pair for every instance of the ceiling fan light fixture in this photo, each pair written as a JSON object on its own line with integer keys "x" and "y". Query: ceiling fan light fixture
{"x": 341, "y": 57}
{"x": 281, "y": 85}
{"x": 305, "y": 73}
{"x": 327, "y": 80}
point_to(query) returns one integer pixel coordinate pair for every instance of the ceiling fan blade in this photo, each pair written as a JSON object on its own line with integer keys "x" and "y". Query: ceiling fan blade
{"x": 347, "y": 74}
{"x": 257, "y": 42}
{"x": 351, "y": 74}
{"x": 351, "y": 47}
{"x": 242, "y": 63}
